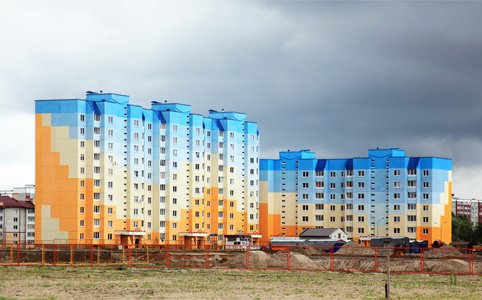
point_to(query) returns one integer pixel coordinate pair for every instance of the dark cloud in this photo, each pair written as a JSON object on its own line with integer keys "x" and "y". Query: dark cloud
{"x": 335, "y": 77}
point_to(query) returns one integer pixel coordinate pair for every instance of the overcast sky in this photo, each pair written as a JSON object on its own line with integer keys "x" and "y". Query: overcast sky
{"x": 335, "y": 77}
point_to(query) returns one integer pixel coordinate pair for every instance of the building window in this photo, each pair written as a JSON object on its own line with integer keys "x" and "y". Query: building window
{"x": 361, "y": 196}
{"x": 332, "y": 219}
{"x": 412, "y": 206}
{"x": 396, "y": 172}
{"x": 425, "y": 219}
{"x": 361, "y": 219}
{"x": 319, "y": 173}
{"x": 425, "y": 231}
{"x": 96, "y": 209}
{"x": 306, "y": 174}
{"x": 96, "y": 235}
{"x": 425, "y": 208}
{"x": 332, "y": 174}
{"x": 425, "y": 196}
{"x": 304, "y": 207}
{"x": 396, "y": 207}
{"x": 361, "y": 173}
{"x": 411, "y": 218}
{"x": 305, "y": 218}
{"x": 396, "y": 184}
{"x": 425, "y": 173}
{"x": 396, "y": 196}
{"x": 412, "y": 195}
{"x": 411, "y": 230}
{"x": 396, "y": 230}
{"x": 396, "y": 219}
{"x": 412, "y": 172}
{"x": 425, "y": 184}
{"x": 361, "y": 230}
{"x": 96, "y": 222}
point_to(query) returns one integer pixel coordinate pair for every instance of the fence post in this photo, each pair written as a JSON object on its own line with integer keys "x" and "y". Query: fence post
{"x": 129, "y": 256}
{"x": 55, "y": 254}
{"x": 331, "y": 259}
{"x": 18, "y": 254}
{"x": 288, "y": 258}
{"x": 247, "y": 257}
{"x": 43, "y": 255}
{"x": 206, "y": 248}
{"x": 91, "y": 255}
{"x": 167, "y": 257}
{"x": 71, "y": 256}
{"x": 376, "y": 259}
{"x": 471, "y": 261}
{"x": 422, "y": 253}
{"x": 147, "y": 253}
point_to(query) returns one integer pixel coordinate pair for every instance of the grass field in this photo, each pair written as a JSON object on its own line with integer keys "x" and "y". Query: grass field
{"x": 121, "y": 283}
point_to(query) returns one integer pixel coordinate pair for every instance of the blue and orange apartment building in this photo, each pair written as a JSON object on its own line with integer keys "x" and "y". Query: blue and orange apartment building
{"x": 110, "y": 172}
{"x": 384, "y": 194}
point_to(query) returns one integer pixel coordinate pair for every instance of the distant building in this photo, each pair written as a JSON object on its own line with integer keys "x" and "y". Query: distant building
{"x": 17, "y": 221}
{"x": 470, "y": 208}
{"x": 108, "y": 171}
{"x": 384, "y": 194}
{"x": 26, "y": 193}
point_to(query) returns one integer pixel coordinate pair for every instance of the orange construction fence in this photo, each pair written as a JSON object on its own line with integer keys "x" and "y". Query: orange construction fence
{"x": 313, "y": 258}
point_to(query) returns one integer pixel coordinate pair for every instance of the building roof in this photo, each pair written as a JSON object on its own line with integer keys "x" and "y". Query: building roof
{"x": 7, "y": 202}
{"x": 319, "y": 232}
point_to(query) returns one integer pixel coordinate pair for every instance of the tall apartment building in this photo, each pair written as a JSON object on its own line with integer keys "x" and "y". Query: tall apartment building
{"x": 470, "y": 208}
{"x": 111, "y": 172}
{"x": 17, "y": 221}
{"x": 384, "y": 194}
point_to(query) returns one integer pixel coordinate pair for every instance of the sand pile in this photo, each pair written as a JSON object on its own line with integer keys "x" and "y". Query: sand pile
{"x": 353, "y": 249}
{"x": 444, "y": 251}
{"x": 449, "y": 266}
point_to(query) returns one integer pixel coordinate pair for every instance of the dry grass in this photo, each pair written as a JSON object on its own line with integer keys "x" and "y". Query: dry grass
{"x": 121, "y": 283}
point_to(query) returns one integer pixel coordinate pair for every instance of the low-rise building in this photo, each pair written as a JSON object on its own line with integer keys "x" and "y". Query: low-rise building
{"x": 17, "y": 221}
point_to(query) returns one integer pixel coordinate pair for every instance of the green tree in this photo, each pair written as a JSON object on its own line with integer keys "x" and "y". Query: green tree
{"x": 462, "y": 229}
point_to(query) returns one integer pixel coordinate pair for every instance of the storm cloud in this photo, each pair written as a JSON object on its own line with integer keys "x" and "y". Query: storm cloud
{"x": 335, "y": 77}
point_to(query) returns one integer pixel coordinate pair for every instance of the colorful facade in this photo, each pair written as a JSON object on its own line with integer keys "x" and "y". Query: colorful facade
{"x": 384, "y": 194}
{"x": 111, "y": 172}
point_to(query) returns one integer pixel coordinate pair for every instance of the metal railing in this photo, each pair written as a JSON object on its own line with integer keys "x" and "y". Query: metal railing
{"x": 313, "y": 258}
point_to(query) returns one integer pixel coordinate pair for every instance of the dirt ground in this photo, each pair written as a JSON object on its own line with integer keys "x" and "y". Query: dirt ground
{"x": 122, "y": 283}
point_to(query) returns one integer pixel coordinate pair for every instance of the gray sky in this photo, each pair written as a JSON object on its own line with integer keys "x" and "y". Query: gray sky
{"x": 335, "y": 77}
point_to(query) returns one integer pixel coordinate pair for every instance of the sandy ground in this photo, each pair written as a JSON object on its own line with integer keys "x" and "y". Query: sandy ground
{"x": 122, "y": 283}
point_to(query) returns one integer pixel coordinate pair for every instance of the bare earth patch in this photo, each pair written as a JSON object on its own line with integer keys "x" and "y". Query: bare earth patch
{"x": 122, "y": 283}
